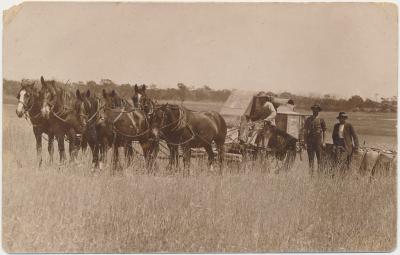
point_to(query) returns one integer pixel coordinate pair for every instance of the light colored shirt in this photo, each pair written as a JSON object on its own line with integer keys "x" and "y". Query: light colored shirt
{"x": 271, "y": 117}
{"x": 341, "y": 127}
{"x": 285, "y": 108}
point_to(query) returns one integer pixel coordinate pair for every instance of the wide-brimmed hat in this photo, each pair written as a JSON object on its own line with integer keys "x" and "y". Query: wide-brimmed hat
{"x": 342, "y": 115}
{"x": 316, "y": 106}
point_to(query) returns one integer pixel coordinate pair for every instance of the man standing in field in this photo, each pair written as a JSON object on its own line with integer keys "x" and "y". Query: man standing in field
{"x": 345, "y": 138}
{"x": 314, "y": 137}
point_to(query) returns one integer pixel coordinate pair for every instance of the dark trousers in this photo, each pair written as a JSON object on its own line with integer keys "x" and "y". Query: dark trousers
{"x": 314, "y": 148}
{"x": 343, "y": 158}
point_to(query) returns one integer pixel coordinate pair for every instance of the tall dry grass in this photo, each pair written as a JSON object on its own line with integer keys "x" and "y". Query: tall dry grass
{"x": 66, "y": 208}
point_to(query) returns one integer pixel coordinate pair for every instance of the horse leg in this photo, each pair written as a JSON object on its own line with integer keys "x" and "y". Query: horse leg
{"x": 148, "y": 153}
{"x": 104, "y": 149}
{"x": 50, "y": 147}
{"x": 72, "y": 144}
{"x": 129, "y": 153}
{"x": 84, "y": 142}
{"x": 186, "y": 160}
{"x": 176, "y": 157}
{"x": 61, "y": 148}
{"x": 173, "y": 160}
{"x": 221, "y": 156}
{"x": 114, "y": 157}
{"x": 38, "y": 137}
{"x": 94, "y": 147}
{"x": 210, "y": 154}
{"x": 117, "y": 144}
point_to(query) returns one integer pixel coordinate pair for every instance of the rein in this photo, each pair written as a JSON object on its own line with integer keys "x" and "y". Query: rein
{"x": 97, "y": 112}
{"x": 59, "y": 113}
{"x": 179, "y": 122}
{"x": 27, "y": 111}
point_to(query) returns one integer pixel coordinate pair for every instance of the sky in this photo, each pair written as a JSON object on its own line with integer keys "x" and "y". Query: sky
{"x": 327, "y": 48}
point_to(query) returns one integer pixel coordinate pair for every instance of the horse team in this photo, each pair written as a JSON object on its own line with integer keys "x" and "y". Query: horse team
{"x": 109, "y": 121}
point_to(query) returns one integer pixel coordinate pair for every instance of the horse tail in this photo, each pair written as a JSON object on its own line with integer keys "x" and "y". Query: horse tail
{"x": 222, "y": 129}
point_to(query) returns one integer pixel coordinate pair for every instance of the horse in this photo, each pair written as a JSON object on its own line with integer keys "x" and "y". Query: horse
{"x": 29, "y": 106}
{"x": 122, "y": 124}
{"x": 281, "y": 145}
{"x": 179, "y": 126}
{"x": 92, "y": 105}
{"x": 66, "y": 115}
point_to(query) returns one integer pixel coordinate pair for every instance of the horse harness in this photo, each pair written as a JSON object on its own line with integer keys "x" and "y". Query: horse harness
{"x": 181, "y": 124}
{"x": 127, "y": 112}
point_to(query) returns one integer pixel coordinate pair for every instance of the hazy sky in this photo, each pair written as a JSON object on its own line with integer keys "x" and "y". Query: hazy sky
{"x": 343, "y": 49}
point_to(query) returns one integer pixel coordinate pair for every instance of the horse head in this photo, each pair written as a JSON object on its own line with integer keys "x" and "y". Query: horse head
{"x": 48, "y": 97}
{"x": 142, "y": 101}
{"x": 26, "y": 98}
{"x": 163, "y": 119}
{"x": 112, "y": 99}
{"x": 83, "y": 107}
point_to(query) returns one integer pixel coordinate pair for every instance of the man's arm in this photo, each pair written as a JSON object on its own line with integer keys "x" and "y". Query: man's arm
{"x": 306, "y": 129}
{"x": 323, "y": 127}
{"x": 354, "y": 136}
{"x": 271, "y": 108}
{"x": 335, "y": 133}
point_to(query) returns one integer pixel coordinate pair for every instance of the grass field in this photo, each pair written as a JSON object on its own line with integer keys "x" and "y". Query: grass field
{"x": 67, "y": 208}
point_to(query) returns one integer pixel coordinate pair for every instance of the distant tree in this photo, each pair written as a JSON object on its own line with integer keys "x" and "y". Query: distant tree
{"x": 355, "y": 101}
{"x": 91, "y": 83}
{"x": 286, "y": 95}
{"x": 107, "y": 82}
{"x": 183, "y": 91}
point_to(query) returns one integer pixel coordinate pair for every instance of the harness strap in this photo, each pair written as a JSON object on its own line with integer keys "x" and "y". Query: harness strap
{"x": 118, "y": 117}
{"x": 97, "y": 112}
{"x": 116, "y": 131}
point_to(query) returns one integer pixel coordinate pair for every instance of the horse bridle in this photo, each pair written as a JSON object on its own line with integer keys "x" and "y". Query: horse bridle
{"x": 32, "y": 98}
{"x": 62, "y": 111}
{"x": 178, "y": 122}
{"x": 97, "y": 111}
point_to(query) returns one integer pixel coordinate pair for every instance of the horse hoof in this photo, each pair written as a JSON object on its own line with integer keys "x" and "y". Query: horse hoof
{"x": 211, "y": 168}
{"x": 101, "y": 165}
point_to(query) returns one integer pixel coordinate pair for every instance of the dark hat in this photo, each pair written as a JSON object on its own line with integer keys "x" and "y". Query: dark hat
{"x": 316, "y": 106}
{"x": 342, "y": 115}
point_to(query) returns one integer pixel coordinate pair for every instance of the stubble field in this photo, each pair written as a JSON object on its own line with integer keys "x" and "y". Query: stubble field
{"x": 67, "y": 208}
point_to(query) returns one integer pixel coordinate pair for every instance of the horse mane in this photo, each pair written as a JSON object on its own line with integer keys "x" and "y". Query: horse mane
{"x": 65, "y": 96}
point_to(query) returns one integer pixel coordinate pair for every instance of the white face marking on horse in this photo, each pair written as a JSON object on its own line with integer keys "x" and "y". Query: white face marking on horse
{"x": 21, "y": 103}
{"x": 139, "y": 96}
{"x": 45, "y": 111}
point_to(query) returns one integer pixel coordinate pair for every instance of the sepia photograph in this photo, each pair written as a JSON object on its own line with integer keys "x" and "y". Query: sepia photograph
{"x": 195, "y": 127}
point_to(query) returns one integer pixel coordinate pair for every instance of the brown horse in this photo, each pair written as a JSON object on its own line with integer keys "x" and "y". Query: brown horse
{"x": 66, "y": 115}
{"x": 272, "y": 142}
{"x": 122, "y": 124}
{"x": 93, "y": 106}
{"x": 179, "y": 126}
{"x": 29, "y": 98}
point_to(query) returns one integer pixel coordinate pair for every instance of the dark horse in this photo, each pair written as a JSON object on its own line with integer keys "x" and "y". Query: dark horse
{"x": 66, "y": 115}
{"x": 29, "y": 105}
{"x": 93, "y": 106}
{"x": 121, "y": 124}
{"x": 180, "y": 126}
{"x": 281, "y": 145}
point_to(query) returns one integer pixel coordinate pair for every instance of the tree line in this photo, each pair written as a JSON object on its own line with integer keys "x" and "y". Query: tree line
{"x": 183, "y": 92}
